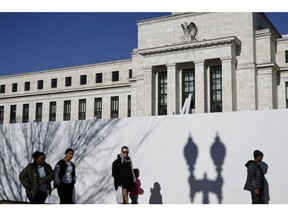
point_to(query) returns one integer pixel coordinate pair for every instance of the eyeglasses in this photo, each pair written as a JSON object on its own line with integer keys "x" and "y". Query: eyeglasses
{"x": 125, "y": 152}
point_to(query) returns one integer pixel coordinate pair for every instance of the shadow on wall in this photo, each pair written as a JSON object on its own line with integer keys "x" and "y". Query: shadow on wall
{"x": 155, "y": 197}
{"x": 205, "y": 185}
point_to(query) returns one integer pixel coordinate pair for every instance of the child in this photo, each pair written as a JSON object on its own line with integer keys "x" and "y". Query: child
{"x": 134, "y": 193}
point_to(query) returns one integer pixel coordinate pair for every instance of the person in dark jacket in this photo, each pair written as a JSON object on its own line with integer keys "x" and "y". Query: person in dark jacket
{"x": 36, "y": 178}
{"x": 255, "y": 181}
{"x": 65, "y": 178}
{"x": 123, "y": 174}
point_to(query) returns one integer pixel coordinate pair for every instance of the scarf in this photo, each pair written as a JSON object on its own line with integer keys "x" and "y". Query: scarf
{"x": 128, "y": 161}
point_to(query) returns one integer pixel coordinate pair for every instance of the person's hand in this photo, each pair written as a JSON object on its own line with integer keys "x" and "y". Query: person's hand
{"x": 41, "y": 182}
{"x": 257, "y": 192}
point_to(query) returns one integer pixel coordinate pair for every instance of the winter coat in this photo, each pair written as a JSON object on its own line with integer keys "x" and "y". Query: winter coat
{"x": 255, "y": 177}
{"x": 137, "y": 189}
{"x": 123, "y": 173}
{"x": 29, "y": 177}
{"x": 60, "y": 172}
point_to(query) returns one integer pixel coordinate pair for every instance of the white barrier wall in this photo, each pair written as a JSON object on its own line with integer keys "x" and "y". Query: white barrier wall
{"x": 196, "y": 158}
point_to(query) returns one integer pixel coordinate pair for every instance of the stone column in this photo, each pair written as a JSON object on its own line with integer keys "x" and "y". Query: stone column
{"x": 229, "y": 94}
{"x": 200, "y": 87}
{"x": 147, "y": 99}
{"x": 172, "y": 80}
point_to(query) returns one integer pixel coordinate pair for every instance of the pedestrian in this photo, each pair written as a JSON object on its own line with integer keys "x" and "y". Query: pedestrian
{"x": 255, "y": 181}
{"x": 65, "y": 178}
{"x": 36, "y": 178}
{"x": 122, "y": 172}
{"x": 134, "y": 193}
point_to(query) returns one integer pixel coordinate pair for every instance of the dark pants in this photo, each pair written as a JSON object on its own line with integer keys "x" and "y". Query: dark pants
{"x": 134, "y": 199}
{"x": 39, "y": 198}
{"x": 65, "y": 192}
{"x": 257, "y": 199}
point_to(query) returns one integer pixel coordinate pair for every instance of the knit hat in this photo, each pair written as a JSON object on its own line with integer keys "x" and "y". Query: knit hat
{"x": 257, "y": 154}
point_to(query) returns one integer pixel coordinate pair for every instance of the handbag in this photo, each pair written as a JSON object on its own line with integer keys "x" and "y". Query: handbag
{"x": 119, "y": 195}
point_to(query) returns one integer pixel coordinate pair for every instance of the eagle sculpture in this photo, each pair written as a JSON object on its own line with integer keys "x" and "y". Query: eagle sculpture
{"x": 190, "y": 30}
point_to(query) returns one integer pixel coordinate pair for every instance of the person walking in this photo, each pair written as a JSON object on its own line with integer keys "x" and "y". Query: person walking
{"x": 65, "y": 178}
{"x": 36, "y": 178}
{"x": 134, "y": 193}
{"x": 255, "y": 181}
{"x": 123, "y": 174}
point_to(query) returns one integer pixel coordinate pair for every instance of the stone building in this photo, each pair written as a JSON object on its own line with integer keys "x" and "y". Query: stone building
{"x": 225, "y": 61}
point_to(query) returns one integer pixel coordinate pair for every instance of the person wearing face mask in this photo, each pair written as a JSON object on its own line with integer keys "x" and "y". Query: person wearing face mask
{"x": 123, "y": 174}
{"x": 36, "y": 178}
{"x": 65, "y": 178}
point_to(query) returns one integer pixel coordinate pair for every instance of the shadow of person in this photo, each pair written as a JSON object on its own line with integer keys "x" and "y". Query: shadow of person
{"x": 266, "y": 196}
{"x": 155, "y": 197}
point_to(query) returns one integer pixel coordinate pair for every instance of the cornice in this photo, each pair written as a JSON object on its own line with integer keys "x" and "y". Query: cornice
{"x": 190, "y": 46}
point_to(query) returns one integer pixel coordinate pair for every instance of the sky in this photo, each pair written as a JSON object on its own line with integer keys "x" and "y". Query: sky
{"x": 42, "y": 41}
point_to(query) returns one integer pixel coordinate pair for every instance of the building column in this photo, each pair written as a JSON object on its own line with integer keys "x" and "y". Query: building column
{"x": 147, "y": 94}
{"x": 200, "y": 87}
{"x": 229, "y": 93}
{"x": 172, "y": 80}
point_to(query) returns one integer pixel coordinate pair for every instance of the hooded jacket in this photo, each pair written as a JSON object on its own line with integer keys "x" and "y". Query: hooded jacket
{"x": 255, "y": 176}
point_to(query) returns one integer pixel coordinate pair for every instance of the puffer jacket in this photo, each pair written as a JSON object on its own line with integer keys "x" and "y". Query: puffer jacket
{"x": 255, "y": 176}
{"x": 29, "y": 177}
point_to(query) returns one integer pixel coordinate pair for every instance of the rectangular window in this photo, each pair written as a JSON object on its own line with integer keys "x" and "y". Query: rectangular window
{"x": 115, "y": 76}
{"x": 188, "y": 86}
{"x": 83, "y": 79}
{"x": 1, "y": 114}
{"x": 99, "y": 77}
{"x": 130, "y": 73}
{"x": 286, "y": 90}
{"x": 25, "y": 113}
{"x": 27, "y": 86}
{"x": 114, "y": 107}
{"x": 67, "y": 110}
{"x": 129, "y": 106}
{"x": 216, "y": 88}
{"x": 2, "y": 88}
{"x": 98, "y": 108}
{"x": 68, "y": 81}
{"x": 38, "y": 114}
{"x": 13, "y": 114}
{"x": 162, "y": 93}
{"x": 54, "y": 83}
{"x": 40, "y": 84}
{"x": 286, "y": 56}
{"x": 82, "y": 109}
{"x": 52, "y": 111}
{"x": 14, "y": 87}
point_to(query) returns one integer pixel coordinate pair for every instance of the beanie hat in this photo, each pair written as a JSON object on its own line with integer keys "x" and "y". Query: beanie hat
{"x": 257, "y": 154}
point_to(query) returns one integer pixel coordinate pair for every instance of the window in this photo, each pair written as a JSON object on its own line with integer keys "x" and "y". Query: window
{"x": 129, "y": 106}
{"x": 286, "y": 56}
{"x": 67, "y": 110}
{"x": 68, "y": 81}
{"x": 82, "y": 109}
{"x": 115, "y": 76}
{"x": 27, "y": 86}
{"x": 130, "y": 73}
{"x": 2, "y": 88}
{"x": 98, "y": 108}
{"x": 216, "y": 88}
{"x": 52, "y": 111}
{"x": 1, "y": 114}
{"x": 98, "y": 77}
{"x": 114, "y": 107}
{"x": 286, "y": 90}
{"x": 54, "y": 83}
{"x": 83, "y": 79}
{"x": 40, "y": 84}
{"x": 14, "y": 87}
{"x": 13, "y": 114}
{"x": 162, "y": 93}
{"x": 25, "y": 113}
{"x": 188, "y": 86}
{"x": 38, "y": 116}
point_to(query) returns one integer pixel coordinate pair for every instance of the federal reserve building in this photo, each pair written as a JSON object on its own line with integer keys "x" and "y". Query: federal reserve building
{"x": 206, "y": 62}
